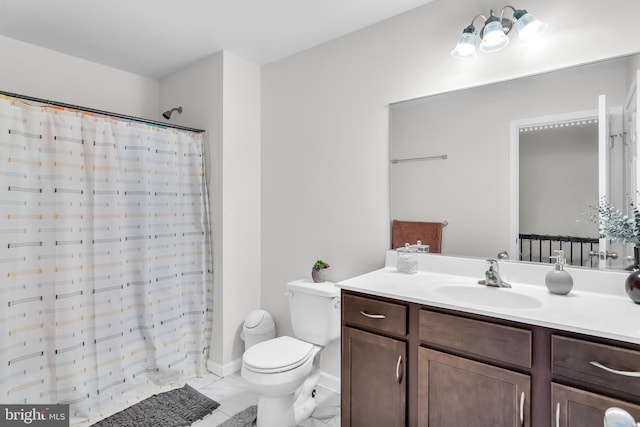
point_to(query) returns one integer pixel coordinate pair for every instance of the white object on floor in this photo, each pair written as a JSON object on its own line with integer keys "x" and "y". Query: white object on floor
{"x": 616, "y": 417}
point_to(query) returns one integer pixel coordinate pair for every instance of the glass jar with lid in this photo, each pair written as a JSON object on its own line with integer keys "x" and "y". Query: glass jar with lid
{"x": 407, "y": 261}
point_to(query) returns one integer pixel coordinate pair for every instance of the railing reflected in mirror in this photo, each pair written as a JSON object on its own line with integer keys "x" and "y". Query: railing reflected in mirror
{"x": 579, "y": 251}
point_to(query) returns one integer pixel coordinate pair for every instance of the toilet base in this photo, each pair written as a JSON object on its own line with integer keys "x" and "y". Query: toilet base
{"x": 282, "y": 412}
{"x": 289, "y": 409}
{"x": 275, "y": 411}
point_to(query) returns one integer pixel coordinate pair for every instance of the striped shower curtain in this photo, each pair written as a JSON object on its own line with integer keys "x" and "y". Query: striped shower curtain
{"x": 105, "y": 260}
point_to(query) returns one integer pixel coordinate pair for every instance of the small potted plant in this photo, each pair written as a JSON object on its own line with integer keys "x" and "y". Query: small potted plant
{"x": 318, "y": 272}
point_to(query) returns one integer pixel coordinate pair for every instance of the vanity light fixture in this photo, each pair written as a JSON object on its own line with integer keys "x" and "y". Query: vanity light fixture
{"x": 495, "y": 30}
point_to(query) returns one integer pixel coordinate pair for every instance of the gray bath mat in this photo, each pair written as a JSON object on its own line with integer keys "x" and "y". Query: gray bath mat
{"x": 175, "y": 408}
{"x": 246, "y": 418}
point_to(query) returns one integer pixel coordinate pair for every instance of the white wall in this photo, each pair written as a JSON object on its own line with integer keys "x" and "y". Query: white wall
{"x": 221, "y": 94}
{"x": 559, "y": 180}
{"x": 241, "y": 201}
{"x": 42, "y": 73}
{"x": 325, "y": 125}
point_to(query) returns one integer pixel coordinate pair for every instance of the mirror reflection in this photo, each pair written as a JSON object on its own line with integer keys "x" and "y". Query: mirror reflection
{"x": 557, "y": 165}
{"x": 521, "y": 157}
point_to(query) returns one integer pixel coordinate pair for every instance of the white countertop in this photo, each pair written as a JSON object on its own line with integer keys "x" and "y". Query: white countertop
{"x": 596, "y": 306}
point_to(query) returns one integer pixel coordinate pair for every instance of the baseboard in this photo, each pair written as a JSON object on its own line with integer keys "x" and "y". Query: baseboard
{"x": 330, "y": 382}
{"x": 224, "y": 370}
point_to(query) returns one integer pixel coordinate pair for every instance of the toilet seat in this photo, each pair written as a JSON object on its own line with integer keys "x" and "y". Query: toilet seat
{"x": 277, "y": 355}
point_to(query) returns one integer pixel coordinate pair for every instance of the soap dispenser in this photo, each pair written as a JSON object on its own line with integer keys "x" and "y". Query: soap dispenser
{"x": 558, "y": 280}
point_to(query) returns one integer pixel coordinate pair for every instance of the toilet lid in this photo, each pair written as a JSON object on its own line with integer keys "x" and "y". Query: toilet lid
{"x": 277, "y": 355}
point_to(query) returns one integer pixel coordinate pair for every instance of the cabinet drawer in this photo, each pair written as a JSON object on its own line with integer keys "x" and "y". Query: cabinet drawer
{"x": 619, "y": 367}
{"x": 373, "y": 314}
{"x": 488, "y": 340}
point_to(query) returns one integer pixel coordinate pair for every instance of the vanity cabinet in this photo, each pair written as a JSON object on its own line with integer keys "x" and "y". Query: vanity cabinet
{"x": 458, "y": 391}
{"x": 410, "y": 364}
{"x": 374, "y": 355}
{"x": 455, "y": 391}
{"x": 485, "y": 340}
{"x": 612, "y": 367}
{"x": 606, "y": 368}
{"x": 574, "y": 407}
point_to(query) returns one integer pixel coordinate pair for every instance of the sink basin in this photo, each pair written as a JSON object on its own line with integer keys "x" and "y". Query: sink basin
{"x": 488, "y": 296}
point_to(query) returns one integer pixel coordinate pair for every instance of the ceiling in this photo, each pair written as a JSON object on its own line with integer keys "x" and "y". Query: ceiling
{"x": 154, "y": 38}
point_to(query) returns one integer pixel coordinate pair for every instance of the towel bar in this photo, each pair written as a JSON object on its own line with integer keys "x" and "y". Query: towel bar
{"x": 415, "y": 159}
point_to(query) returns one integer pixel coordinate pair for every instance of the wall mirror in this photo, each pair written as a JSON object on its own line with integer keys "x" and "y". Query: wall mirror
{"x": 519, "y": 158}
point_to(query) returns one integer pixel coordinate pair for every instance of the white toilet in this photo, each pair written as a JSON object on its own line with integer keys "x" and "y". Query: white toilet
{"x": 284, "y": 371}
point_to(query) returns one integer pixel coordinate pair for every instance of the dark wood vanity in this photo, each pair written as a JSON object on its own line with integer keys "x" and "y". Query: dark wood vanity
{"x": 409, "y": 364}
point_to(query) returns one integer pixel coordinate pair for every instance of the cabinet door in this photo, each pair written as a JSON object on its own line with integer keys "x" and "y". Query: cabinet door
{"x": 373, "y": 380}
{"x": 572, "y": 407}
{"x": 454, "y": 392}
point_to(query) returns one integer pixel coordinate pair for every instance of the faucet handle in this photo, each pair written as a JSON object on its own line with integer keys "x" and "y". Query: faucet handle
{"x": 493, "y": 276}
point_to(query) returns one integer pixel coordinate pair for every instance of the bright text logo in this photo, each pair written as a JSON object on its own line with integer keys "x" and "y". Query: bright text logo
{"x": 34, "y": 415}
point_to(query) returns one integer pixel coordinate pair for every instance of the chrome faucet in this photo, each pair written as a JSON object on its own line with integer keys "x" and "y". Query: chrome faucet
{"x": 492, "y": 276}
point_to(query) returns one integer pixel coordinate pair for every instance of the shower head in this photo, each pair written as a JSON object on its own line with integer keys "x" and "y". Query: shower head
{"x": 167, "y": 114}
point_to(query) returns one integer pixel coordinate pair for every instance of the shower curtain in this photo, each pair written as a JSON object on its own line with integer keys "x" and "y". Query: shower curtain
{"x": 105, "y": 260}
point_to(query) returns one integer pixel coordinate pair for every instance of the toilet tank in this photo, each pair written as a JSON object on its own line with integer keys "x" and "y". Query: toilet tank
{"x": 315, "y": 311}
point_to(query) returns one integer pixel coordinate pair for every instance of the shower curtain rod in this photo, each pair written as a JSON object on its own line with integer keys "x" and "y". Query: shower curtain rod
{"x": 101, "y": 112}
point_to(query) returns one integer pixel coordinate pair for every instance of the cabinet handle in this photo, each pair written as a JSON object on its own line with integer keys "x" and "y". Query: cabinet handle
{"x": 522, "y": 409}
{"x": 615, "y": 371}
{"x": 558, "y": 414}
{"x": 372, "y": 316}
{"x": 399, "y": 369}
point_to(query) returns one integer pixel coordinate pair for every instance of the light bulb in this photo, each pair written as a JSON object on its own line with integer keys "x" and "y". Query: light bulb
{"x": 466, "y": 47}
{"x": 527, "y": 26}
{"x": 493, "y": 36}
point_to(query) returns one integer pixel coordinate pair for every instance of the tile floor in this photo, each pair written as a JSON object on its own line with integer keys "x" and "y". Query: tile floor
{"x": 233, "y": 395}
